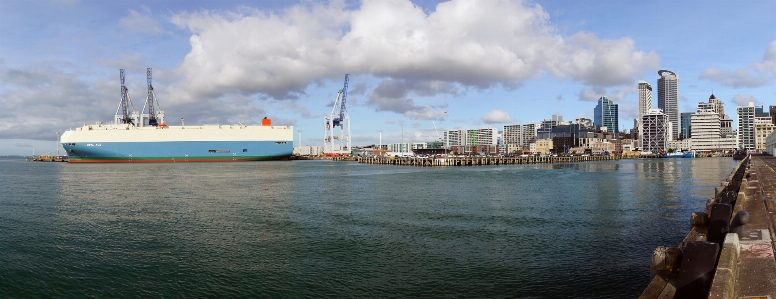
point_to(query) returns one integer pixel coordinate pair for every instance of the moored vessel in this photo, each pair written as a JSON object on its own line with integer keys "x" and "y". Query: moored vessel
{"x": 145, "y": 137}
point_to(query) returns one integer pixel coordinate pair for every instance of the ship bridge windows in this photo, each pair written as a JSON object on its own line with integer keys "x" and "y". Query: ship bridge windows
{"x": 219, "y": 151}
{"x": 281, "y": 142}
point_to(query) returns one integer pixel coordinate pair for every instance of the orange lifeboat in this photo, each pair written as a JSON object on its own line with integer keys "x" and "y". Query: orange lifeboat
{"x": 266, "y": 122}
{"x": 163, "y": 125}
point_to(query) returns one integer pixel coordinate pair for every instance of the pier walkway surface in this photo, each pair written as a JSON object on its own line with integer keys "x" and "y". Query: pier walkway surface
{"x": 729, "y": 250}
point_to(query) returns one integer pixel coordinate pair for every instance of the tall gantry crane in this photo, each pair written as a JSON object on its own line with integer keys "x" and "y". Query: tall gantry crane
{"x": 150, "y": 100}
{"x": 125, "y": 104}
{"x": 337, "y": 142}
{"x": 154, "y": 117}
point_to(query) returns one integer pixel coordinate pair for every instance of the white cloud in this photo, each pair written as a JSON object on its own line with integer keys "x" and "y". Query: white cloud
{"x": 462, "y": 43}
{"x": 141, "y": 21}
{"x": 496, "y": 116}
{"x": 743, "y": 99}
{"x": 41, "y": 99}
{"x": 754, "y": 75}
{"x": 617, "y": 95}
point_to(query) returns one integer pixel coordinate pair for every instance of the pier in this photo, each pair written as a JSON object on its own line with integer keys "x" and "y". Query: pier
{"x": 47, "y": 158}
{"x": 478, "y": 161}
{"x": 728, "y": 252}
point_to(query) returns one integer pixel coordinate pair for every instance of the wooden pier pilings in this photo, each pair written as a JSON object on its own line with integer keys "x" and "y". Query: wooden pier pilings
{"x": 479, "y": 161}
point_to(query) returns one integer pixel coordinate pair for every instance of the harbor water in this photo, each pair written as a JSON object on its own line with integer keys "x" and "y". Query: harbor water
{"x": 312, "y": 229}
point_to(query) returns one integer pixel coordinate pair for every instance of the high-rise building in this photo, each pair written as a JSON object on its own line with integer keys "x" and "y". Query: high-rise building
{"x": 746, "y": 119}
{"x": 655, "y": 131}
{"x": 512, "y": 134}
{"x": 668, "y": 98}
{"x": 645, "y": 100}
{"x": 761, "y": 132}
{"x": 606, "y": 115}
{"x": 772, "y": 110}
{"x": 686, "y": 125}
{"x": 719, "y": 106}
{"x": 528, "y": 135}
{"x": 706, "y": 130}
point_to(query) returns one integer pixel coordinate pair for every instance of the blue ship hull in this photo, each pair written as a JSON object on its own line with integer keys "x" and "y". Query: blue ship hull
{"x": 178, "y": 151}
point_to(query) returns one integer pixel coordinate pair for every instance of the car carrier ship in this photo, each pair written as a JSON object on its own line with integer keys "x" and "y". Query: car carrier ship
{"x": 145, "y": 137}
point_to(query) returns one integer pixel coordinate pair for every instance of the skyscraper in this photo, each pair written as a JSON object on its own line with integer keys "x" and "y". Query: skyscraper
{"x": 746, "y": 118}
{"x": 686, "y": 125}
{"x": 606, "y": 115}
{"x": 645, "y": 98}
{"x": 655, "y": 131}
{"x": 668, "y": 98}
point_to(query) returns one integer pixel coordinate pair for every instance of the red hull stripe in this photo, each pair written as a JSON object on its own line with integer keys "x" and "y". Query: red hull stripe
{"x": 171, "y": 160}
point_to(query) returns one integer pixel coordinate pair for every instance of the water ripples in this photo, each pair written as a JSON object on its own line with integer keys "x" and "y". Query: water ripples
{"x": 311, "y": 229}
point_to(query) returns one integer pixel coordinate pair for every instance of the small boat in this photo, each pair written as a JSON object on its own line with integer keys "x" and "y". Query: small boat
{"x": 678, "y": 154}
{"x": 740, "y": 154}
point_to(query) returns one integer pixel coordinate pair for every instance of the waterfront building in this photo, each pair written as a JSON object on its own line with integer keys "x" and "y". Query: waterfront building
{"x": 403, "y": 147}
{"x": 453, "y": 138}
{"x": 772, "y": 110}
{"x": 606, "y": 115}
{"x": 484, "y": 140}
{"x": 680, "y": 145}
{"x": 655, "y": 132}
{"x": 562, "y": 145}
{"x": 528, "y": 134}
{"x": 746, "y": 120}
{"x": 585, "y": 122}
{"x": 726, "y": 127}
{"x": 597, "y": 146}
{"x": 513, "y": 148}
{"x": 545, "y": 128}
{"x": 705, "y": 128}
{"x": 718, "y": 106}
{"x": 543, "y": 146}
{"x": 761, "y": 131}
{"x": 628, "y": 144}
{"x": 307, "y": 150}
{"x": 686, "y": 125}
{"x": 711, "y": 128}
{"x": 435, "y": 144}
{"x": 419, "y": 145}
{"x": 513, "y": 134}
{"x": 770, "y": 144}
{"x": 668, "y": 99}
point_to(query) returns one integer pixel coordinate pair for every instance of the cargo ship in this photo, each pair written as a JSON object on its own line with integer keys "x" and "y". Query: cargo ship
{"x": 138, "y": 137}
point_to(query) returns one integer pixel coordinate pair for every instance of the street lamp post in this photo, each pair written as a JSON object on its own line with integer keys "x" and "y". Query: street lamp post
{"x": 57, "y": 143}
{"x": 444, "y": 143}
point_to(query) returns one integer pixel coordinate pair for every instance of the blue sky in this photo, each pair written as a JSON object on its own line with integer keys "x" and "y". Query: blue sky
{"x": 416, "y": 67}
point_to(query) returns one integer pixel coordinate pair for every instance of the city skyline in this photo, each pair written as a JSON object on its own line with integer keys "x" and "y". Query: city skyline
{"x": 417, "y": 68}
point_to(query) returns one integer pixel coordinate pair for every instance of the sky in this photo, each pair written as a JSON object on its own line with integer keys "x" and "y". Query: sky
{"x": 416, "y": 68}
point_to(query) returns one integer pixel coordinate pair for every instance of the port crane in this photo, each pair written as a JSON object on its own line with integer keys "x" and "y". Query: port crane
{"x": 128, "y": 114}
{"x": 337, "y": 142}
{"x": 154, "y": 118}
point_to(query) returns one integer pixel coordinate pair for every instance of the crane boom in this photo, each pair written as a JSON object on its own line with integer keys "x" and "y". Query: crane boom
{"x": 344, "y": 96}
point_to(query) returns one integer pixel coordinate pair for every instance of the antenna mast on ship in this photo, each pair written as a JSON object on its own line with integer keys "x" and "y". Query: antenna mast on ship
{"x": 337, "y": 144}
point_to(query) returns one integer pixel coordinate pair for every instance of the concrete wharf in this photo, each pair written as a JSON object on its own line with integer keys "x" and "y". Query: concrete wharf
{"x": 478, "y": 161}
{"x": 729, "y": 250}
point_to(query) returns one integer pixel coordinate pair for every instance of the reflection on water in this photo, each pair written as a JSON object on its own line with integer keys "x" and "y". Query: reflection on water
{"x": 340, "y": 229}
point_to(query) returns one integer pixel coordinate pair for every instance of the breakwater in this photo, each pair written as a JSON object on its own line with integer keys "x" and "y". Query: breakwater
{"x": 479, "y": 161}
{"x": 700, "y": 266}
